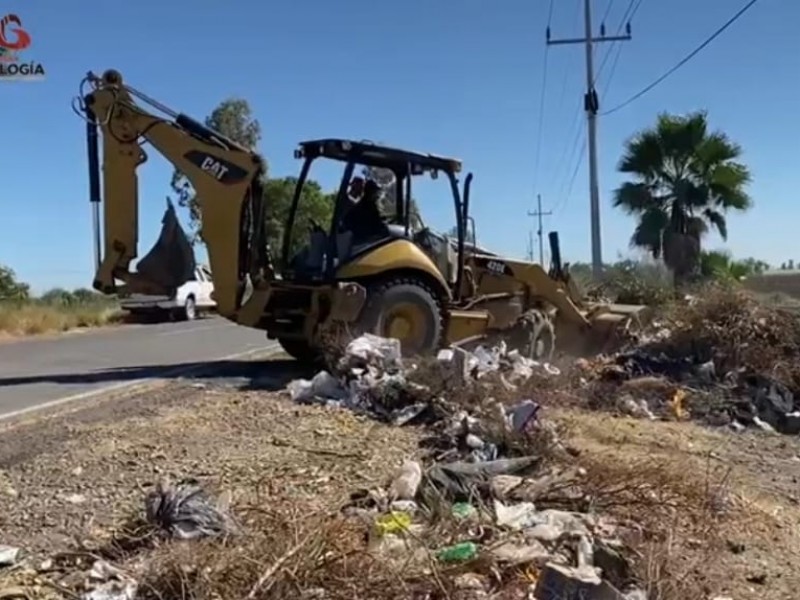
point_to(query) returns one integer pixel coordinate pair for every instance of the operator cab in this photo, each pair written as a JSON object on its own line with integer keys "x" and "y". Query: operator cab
{"x": 372, "y": 207}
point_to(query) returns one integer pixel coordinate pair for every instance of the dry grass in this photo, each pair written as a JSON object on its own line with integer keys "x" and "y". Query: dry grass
{"x": 289, "y": 553}
{"x": 713, "y": 509}
{"x": 33, "y": 318}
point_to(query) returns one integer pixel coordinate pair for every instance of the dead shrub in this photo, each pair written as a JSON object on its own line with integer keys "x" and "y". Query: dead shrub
{"x": 731, "y": 327}
{"x": 674, "y": 522}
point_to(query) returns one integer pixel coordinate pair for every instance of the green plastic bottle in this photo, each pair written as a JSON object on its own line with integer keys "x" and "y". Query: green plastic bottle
{"x": 458, "y": 553}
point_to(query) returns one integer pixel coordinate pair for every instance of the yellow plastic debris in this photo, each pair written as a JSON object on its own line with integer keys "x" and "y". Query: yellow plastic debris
{"x": 676, "y": 404}
{"x": 393, "y": 523}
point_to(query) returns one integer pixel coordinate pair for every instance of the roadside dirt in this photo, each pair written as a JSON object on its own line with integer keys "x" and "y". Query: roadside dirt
{"x": 77, "y": 477}
{"x": 71, "y": 480}
{"x": 755, "y": 473}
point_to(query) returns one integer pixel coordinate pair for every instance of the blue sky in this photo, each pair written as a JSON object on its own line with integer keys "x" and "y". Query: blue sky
{"x": 455, "y": 77}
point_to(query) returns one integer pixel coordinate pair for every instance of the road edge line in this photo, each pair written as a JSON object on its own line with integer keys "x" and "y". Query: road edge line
{"x": 140, "y": 384}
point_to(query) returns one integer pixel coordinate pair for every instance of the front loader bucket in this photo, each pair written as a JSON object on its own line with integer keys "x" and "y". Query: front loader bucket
{"x": 610, "y": 326}
{"x": 170, "y": 263}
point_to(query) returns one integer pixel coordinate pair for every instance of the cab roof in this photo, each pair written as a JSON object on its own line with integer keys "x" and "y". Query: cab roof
{"x": 375, "y": 155}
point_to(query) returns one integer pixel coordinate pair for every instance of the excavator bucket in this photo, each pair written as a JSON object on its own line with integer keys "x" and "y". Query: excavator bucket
{"x": 171, "y": 261}
{"x": 605, "y": 326}
{"x": 610, "y": 325}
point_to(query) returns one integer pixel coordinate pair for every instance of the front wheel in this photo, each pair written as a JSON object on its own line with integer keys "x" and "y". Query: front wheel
{"x": 406, "y": 310}
{"x": 300, "y": 350}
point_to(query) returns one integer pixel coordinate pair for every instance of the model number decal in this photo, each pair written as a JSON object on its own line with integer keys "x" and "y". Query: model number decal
{"x": 496, "y": 266}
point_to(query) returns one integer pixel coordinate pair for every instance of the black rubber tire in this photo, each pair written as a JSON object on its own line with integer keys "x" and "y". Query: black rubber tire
{"x": 300, "y": 351}
{"x": 189, "y": 311}
{"x": 540, "y": 342}
{"x": 381, "y": 297}
{"x": 139, "y": 315}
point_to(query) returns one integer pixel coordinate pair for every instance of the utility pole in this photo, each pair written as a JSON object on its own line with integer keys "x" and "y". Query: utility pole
{"x": 530, "y": 246}
{"x": 591, "y": 106}
{"x": 539, "y": 214}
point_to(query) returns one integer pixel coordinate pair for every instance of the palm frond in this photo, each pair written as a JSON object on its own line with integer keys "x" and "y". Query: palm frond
{"x": 680, "y": 136}
{"x": 635, "y": 198}
{"x": 717, "y": 219}
{"x": 649, "y": 232}
{"x": 717, "y": 149}
{"x": 727, "y": 186}
{"x": 643, "y": 156}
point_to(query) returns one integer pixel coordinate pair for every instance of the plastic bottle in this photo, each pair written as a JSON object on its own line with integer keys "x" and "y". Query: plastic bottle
{"x": 458, "y": 553}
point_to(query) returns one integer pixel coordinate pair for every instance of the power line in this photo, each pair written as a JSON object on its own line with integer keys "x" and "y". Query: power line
{"x": 581, "y": 157}
{"x": 608, "y": 10}
{"x": 615, "y": 60}
{"x": 576, "y": 19}
{"x": 541, "y": 101}
{"x": 577, "y": 157}
{"x": 635, "y": 10}
{"x": 614, "y": 64}
{"x": 626, "y": 17}
{"x": 685, "y": 60}
{"x": 568, "y": 150}
{"x": 577, "y": 112}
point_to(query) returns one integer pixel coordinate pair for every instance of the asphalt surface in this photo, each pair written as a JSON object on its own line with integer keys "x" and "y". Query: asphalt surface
{"x": 40, "y": 372}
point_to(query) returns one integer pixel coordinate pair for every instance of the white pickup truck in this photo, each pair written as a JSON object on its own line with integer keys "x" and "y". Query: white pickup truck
{"x": 190, "y": 299}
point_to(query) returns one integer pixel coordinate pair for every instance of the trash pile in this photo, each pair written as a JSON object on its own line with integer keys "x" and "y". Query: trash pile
{"x": 724, "y": 358}
{"x": 481, "y": 493}
{"x": 372, "y": 378}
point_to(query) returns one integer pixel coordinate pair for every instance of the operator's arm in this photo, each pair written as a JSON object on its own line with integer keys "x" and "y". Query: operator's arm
{"x": 224, "y": 175}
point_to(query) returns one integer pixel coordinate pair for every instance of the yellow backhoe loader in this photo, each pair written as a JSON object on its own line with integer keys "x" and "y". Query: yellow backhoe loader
{"x": 385, "y": 274}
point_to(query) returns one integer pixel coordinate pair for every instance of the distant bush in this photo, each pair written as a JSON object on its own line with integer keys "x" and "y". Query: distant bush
{"x": 57, "y": 309}
{"x": 632, "y": 282}
{"x": 627, "y": 282}
{"x": 81, "y": 296}
{"x": 718, "y": 265}
{"x": 10, "y": 287}
{"x": 651, "y": 282}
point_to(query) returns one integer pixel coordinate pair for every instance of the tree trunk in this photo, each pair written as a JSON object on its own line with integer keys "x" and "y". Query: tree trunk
{"x": 681, "y": 255}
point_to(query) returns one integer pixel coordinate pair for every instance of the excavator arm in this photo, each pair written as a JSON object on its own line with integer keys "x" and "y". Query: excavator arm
{"x": 225, "y": 176}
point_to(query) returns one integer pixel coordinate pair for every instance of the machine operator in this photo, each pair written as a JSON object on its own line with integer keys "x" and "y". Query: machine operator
{"x": 363, "y": 217}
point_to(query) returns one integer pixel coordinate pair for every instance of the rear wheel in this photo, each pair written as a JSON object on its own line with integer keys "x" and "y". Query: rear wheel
{"x": 300, "y": 350}
{"x": 407, "y": 310}
{"x": 190, "y": 309}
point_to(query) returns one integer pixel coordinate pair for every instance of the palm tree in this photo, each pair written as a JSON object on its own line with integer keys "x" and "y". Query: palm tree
{"x": 685, "y": 179}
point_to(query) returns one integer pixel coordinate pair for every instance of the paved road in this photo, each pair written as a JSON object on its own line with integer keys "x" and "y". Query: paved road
{"x": 40, "y": 371}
